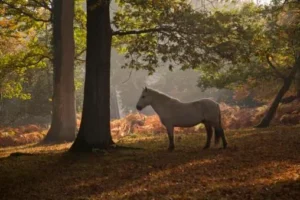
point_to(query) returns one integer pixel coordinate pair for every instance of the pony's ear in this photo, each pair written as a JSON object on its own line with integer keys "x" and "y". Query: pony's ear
{"x": 146, "y": 89}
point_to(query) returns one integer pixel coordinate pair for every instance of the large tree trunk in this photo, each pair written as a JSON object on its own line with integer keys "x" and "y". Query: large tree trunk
{"x": 94, "y": 131}
{"x": 63, "y": 124}
{"x": 265, "y": 122}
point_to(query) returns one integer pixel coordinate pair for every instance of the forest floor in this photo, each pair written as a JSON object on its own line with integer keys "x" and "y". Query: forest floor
{"x": 258, "y": 164}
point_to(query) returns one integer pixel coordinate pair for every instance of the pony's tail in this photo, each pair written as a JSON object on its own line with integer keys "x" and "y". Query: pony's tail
{"x": 217, "y": 130}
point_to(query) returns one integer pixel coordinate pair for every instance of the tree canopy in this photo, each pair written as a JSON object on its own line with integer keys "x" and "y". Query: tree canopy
{"x": 242, "y": 46}
{"x": 27, "y": 41}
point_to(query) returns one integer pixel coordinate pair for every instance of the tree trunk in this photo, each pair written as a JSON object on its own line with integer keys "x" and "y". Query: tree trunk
{"x": 94, "y": 131}
{"x": 265, "y": 122}
{"x": 63, "y": 125}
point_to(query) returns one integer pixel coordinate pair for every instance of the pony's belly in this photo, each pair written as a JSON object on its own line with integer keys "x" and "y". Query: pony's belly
{"x": 187, "y": 124}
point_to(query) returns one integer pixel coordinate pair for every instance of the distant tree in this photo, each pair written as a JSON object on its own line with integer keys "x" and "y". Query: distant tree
{"x": 287, "y": 33}
{"x": 265, "y": 52}
{"x": 63, "y": 125}
{"x": 35, "y": 15}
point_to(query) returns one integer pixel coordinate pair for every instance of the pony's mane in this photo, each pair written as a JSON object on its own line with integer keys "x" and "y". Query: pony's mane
{"x": 162, "y": 94}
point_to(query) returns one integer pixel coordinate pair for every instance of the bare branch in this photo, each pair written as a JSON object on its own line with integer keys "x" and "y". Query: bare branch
{"x": 80, "y": 60}
{"x": 127, "y": 78}
{"x": 79, "y": 54}
{"x": 277, "y": 72}
{"x": 133, "y": 32}
{"x": 28, "y": 14}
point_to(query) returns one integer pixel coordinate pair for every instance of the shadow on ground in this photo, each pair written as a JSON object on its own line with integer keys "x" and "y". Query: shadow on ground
{"x": 257, "y": 165}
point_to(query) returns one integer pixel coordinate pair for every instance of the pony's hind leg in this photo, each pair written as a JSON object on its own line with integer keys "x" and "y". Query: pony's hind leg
{"x": 223, "y": 138}
{"x": 220, "y": 133}
{"x": 170, "y": 130}
{"x": 209, "y": 132}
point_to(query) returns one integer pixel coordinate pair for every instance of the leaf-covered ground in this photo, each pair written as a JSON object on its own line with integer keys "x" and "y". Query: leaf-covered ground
{"x": 258, "y": 164}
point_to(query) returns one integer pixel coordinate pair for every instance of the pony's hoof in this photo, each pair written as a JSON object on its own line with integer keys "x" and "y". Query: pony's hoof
{"x": 170, "y": 149}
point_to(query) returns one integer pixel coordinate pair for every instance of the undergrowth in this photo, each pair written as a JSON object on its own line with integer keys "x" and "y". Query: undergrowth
{"x": 233, "y": 117}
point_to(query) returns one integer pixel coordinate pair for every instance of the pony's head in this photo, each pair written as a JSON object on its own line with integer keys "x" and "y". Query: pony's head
{"x": 145, "y": 99}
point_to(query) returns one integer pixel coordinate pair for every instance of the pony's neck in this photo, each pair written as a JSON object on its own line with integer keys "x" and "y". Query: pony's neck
{"x": 159, "y": 101}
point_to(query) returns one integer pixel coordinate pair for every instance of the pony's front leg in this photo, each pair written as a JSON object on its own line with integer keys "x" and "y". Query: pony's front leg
{"x": 170, "y": 130}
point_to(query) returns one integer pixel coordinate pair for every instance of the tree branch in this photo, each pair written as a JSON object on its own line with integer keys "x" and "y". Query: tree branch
{"x": 28, "y": 14}
{"x": 80, "y": 60}
{"x": 80, "y": 53}
{"x": 133, "y": 32}
{"x": 42, "y": 56}
{"x": 128, "y": 77}
{"x": 8, "y": 69}
{"x": 43, "y": 4}
{"x": 278, "y": 73}
{"x": 38, "y": 61}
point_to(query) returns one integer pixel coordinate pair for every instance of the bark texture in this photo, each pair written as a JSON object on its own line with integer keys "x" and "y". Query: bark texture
{"x": 94, "y": 131}
{"x": 63, "y": 125}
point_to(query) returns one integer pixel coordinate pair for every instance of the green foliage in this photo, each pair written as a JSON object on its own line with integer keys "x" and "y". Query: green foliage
{"x": 24, "y": 29}
{"x": 79, "y": 31}
{"x": 228, "y": 46}
{"x": 80, "y": 48}
{"x": 269, "y": 34}
{"x": 26, "y": 58}
{"x": 13, "y": 68}
{"x": 272, "y": 37}
{"x": 142, "y": 49}
{"x": 182, "y": 36}
{"x": 25, "y": 37}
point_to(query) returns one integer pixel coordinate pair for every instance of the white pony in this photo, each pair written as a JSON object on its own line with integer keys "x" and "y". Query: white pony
{"x": 174, "y": 113}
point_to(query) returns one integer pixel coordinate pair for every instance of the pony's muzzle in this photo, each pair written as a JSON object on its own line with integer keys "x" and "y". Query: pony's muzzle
{"x": 139, "y": 108}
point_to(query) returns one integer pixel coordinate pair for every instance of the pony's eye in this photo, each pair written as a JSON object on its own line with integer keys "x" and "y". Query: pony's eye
{"x": 143, "y": 97}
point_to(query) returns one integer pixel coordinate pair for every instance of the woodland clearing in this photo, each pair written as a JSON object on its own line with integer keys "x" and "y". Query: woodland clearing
{"x": 258, "y": 164}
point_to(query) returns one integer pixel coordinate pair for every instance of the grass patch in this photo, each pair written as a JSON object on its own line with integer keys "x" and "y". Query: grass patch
{"x": 258, "y": 164}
